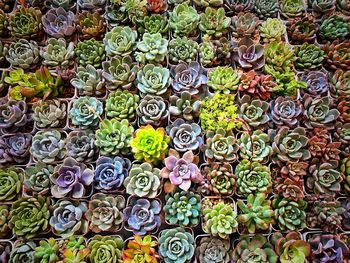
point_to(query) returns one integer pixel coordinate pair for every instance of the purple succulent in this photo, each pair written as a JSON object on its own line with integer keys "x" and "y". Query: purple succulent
{"x": 285, "y": 111}
{"x": 70, "y": 179}
{"x": 317, "y": 83}
{"x": 15, "y": 148}
{"x": 346, "y": 215}
{"x": 142, "y": 216}
{"x": 13, "y": 115}
{"x": 110, "y": 173}
{"x": 59, "y": 22}
{"x": 248, "y": 54}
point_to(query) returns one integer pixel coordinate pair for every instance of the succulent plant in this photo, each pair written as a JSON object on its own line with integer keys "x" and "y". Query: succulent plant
{"x": 153, "y": 24}
{"x": 333, "y": 27}
{"x": 49, "y": 113}
{"x": 286, "y": 82}
{"x": 279, "y": 56}
{"x": 207, "y": 53}
{"x": 272, "y": 30}
{"x": 256, "y": 84}
{"x": 3, "y": 23}
{"x": 302, "y": 29}
{"x": 143, "y": 180}
{"x": 285, "y": 111}
{"x": 120, "y": 41}
{"x": 90, "y": 24}
{"x": 90, "y": 52}
{"x": 337, "y": 55}
{"x": 23, "y": 252}
{"x": 121, "y": 105}
{"x": 345, "y": 171}
{"x": 340, "y": 85}
{"x": 176, "y": 245}
{"x": 346, "y": 214}
{"x": 105, "y": 248}
{"x": 85, "y": 112}
{"x": 238, "y": 6}
{"x": 214, "y": 23}
{"x": 183, "y": 20}
{"x": 342, "y": 134}
{"x": 25, "y": 22}
{"x": 47, "y": 251}
{"x": 244, "y": 25}
{"x": 37, "y": 179}
{"x": 88, "y": 81}
{"x": 152, "y": 47}
{"x": 343, "y": 6}
{"x": 48, "y": 146}
{"x": 308, "y": 57}
{"x": 292, "y": 8}
{"x": 141, "y": 249}
{"x": 152, "y": 110}
{"x": 114, "y": 137}
{"x": 105, "y": 212}
{"x": 91, "y": 4}
{"x": 68, "y": 218}
{"x": 289, "y": 189}
{"x": 15, "y": 148}
{"x": 213, "y": 250}
{"x": 23, "y": 54}
{"x": 4, "y": 220}
{"x": 343, "y": 108}
{"x": 223, "y": 79}
{"x": 182, "y": 49}
{"x": 81, "y": 146}
{"x": 211, "y": 3}
{"x": 13, "y": 115}
{"x": 317, "y": 83}
{"x": 248, "y": 54}
{"x": 66, "y": 4}
{"x": 255, "y": 147}
{"x": 295, "y": 171}
{"x": 184, "y": 106}
{"x": 266, "y": 8}
{"x": 153, "y": 80}
{"x": 322, "y": 7}
{"x": 58, "y": 53}
{"x": 11, "y": 183}
{"x": 253, "y": 111}
{"x": 29, "y": 216}
{"x": 142, "y": 216}
{"x": 59, "y": 23}
{"x": 157, "y": 6}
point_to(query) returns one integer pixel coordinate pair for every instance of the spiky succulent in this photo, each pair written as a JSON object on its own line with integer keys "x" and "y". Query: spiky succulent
{"x": 58, "y": 53}
{"x": 25, "y": 22}
{"x": 49, "y": 113}
{"x": 333, "y": 27}
{"x": 85, "y": 112}
{"x": 120, "y": 41}
{"x": 223, "y": 79}
{"x": 152, "y": 110}
{"x": 182, "y": 49}
{"x": 244, "y": 25}
{"x": 37, "y": 181}
{"x": 308, "y": 57}
{"x": 153, "y": 80}
{"x": 213, "y": 250}
{"x": 266, "y": 8}
{"x": 90, "y": 24}
{"x": 88, "y": 81}
{"x": 23, "y": 54}
{"x": 121, "y": 105}
{"x": 153, "y": 24}
{"x": 105, "y": 248}
{"x": 302, "y": 29}
{"x": 253, "y": 111}
{"x": 214, "y": 23}
{"x": 183, "y": 20}
{"x": 141, "y": 249}
{"x": 59, "y": 23}
{"x": 90, "y": 52}
{"x": 152, "y": 47}
{"x": 248, "y": 54}
{"x": 337, "y": 55}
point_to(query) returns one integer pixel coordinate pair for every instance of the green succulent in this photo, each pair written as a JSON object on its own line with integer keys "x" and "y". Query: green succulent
{"x": 88, "y": 81}
{"x": 253, "y": 178}
{"x": 266, "y": 8}
{"x": 4, "y": 220}
{"x": 182, "y": 49}
{"x": 184, "y": 106}
{"x": 302, "y": 29}
{"x": 214, "y": 23}
{"x": 183, "y": 20}
{"x": 153, "y": 24}
{"x": 292, "y": 8}
{"x": 3, "y": 22}
{"x": 90, "y": 52}
{"x": 255, "y": 147}
{"x": 212, "y": 3}
{"x": 322, "y": 7}
{"x": 334, "y": 27}
{"x": 25, "y": 22}
{"x": 106, "y": 249}
{"x": 23, "y": 252}
{"x": 120, "y": 41}
{"x": 279, "y": 56}
{"x": 207, "y": 53}
{"x": 58, "y": 53}
{"x": 152, "y": 47}
{"x": 272, "y": 30}
{"x": 23, "y": 54}
{"x": 254, "y": 111}
{"x": 11, "y": 180}
{"x": 85, "y": 112}
{"x": 244, "y": 25}
{"x": 47, "y": 251}
{"x": 220, "y": 180}
{"x": 345, "y": 171}
{"x": 121, "y": 105}
{"x": 153, "y": 80}
{"x": 256, "y": 213}
{"x": 223, "y": 79}
{"x": 30, "y": 216}
{"x": 290, "y": 215}
{"x": 135, "y": 9}
{"x": 37, "y": 180}
{"x": 308, "y": 57}
{"x": 286, "y": 82}
{"x": 49, "y": 113}
{"x": 119, "y": 72}
{"x": 113, "y": 137}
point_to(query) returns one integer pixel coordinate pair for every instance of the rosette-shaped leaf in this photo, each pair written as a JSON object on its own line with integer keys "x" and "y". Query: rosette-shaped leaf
{"x": 289, "y": 214}
{"x": 49, "y": 113}
{"x": 142, "y": 216}
{"x": 256, "y": 213}
{"x": 345, "y": 171}
{"x": 340, "y": 83}
{"x": 290, "y": 248}
{"x": 88, "y": 80}
{"x": 85, "y": 112}
{"x": 91, "y": 4}
{"x": 153, "y": 80}
{"x": 289, "y": 189}
{"x": 59, "y": 23}
{"x": 153, "y": 24}
{"x": 253, "y": 177}
{"x": 256, "y": 84}
{"x": 321, "y": 145}
{"x": 29, "y": 216}
{"x": 141, "y": 249}
{"x": 25, "y": 22}
{"x": 322, "y": 7}
{"x": 122, "y": 105}
{"x": 47, "y": 251}
{"x": 66, "y": 4}
{"x": 152, "y": 110}
{"x": 285, "y": 111}
{"x": 183, "y": 20}
{"x": 3, "y": 23}
{"x": 244, "y": 25}
{"x": 334, "y": 27}
{"x": 114, "y": 137}
{"x": 187, "y": 77}
{"x": 254, "y": 111}
{"x": 289, "y": 145}
{"x": 266, "y": 8}
{"x": 214, "y": 23}
{"x": 68, "y": 218}
{"x": 219, "y": 179}
{"x": 58, "y": 53}
{"x": 223, "y": 79}
{"x": 308, "y": 57}
{"x": 337, "y": 55}
{"x": 279, "y": 56}
{"x": 317, "y": 83}
{"x": 115, "y": 15}
{"x": 105, "y": 249}
{"x": 90, "y": 52}
{"x": 13, "y": 115}
{"x": 272, "y": 30}
{"x": 48, "y": 146}
{"x": 345, "y": 203}
{"x": 15, "y": 148}
{"x": 37, "y": 179}
{"x": 342, "y": 134}
{"x": 293, "y": 170}
{"x": 90, "y": 24}
{"x": 220, "y": 220}
{"x": 302, "y": 29}
{"x": 343, "y": 6}
{"x": 152, "y": 47}
{"x": 205, "y": 3}
{"x": 120, "y": 41}
{"x": 343, "y": 108}
{"x": 143, "y": 180}
{"x": 81, "y": 146}
{"x": 292, "y": 8}
{"x": 71, "y": 179}
{"x": 105, "y": 212}
{"x": 176, "y": 245}
{"x": 255, "y": 147}
{"x": 182, "y": 49}
{"x": 221, "y": 146}
{"x": 213, "y": 250}
{"x": 184, "y": 107}
{"x": 237, "y": 6}
{"x": 248, "y": 54}
{"x": 4, "y": 220}
{"x": 119, "y": 72}
{"x": 23, "y": 54}
{"x": 23, "y": 253}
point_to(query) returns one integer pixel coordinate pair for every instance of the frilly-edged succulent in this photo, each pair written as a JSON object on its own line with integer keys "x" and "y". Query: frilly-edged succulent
{"x": 279, "y": 56}
{"x": 11, "y": 183}
{"x": 248, "y": 54}
{"x": 253, "y": 111}
{"x": 244, "y": 25}
{"x": 214, "y": 23}
{"x": 91, "y": 4}
{"x": 25, "y": 22}
{"x": 104, "y": 248}
{"x": 187, "y": 77}
{"x": 184, "y": 106}
{"x": 266, "y": 8}
{"x": 183, "y": 20}
{"x": 337, "y": 55}
{"x": 48, "y": 146}
{"x": 121, "y": 105}
{"x": 345, "y": 171}
{"x": 317, "y": 83}
{"x": 334, "y": 27}
{"x": 302, "y": 29}
{"x": 223, "y": 79}
{"x": 176, "y": 245}
{"x": 81, "y": 146}
{"x": 255, "y": 147}
{"x": 152, "y": 110}
{"x": 153, "y": 80}
{"x": 23, "y": 252}
{"x": 308, "y": 57}
{"x": 49, "y": 113}
{"x": 114, "y": 137}
{"x": 15, "y": 148}
{"x": 85, "y": 112}
{"x": 142, "y": 216}
{"x": 141, "y": 249}
{"x": 292, "y": 8}
{"x": 213, "y": 250}
{"x": 37, "y": 181}
{"x": 272, "y": 30}
{"x": 88, "y": 80}
{"x": 340, "y": 83}
{"x": 59, "y": 23}
{"x": 256, "y": 84}
{"x": 30, "y": 216}
{"x": 120, "y": 41}
{"x": 285, "y": 111}
{"x": 143, "y": 180}
{"x": 68, "y": 218}
{"x": 90, "y": 24}
{"x": 289, "y": 214}
{"x": 289, "y": 189}
{"x": 13, "y": 115}
{"x": 182, "y": 49}
{"x": 153, "y": 24}
{"x": 23, "y": 54}
{"x": 57, "y": 53}
{"x": 152, "y": 47}
{"x": 4, "y": 220}
{"x": 183, "y": 208}
{"x": 90, "y": 52}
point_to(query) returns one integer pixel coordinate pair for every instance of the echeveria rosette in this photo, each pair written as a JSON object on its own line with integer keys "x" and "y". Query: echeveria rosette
{"x": 30, "y": 216}
{"x": 152, "y": 47}
{"x": 214, "y": 23}
{"x": 142, "y": 216}
{"x": 285, "y": 111}
{"x": 149, "y": 144}
{"x": 272, "y": 30}
{"x": 105, "y": 248}
{"x": 90, "y": 25}
{"x": 333, "y": 27}
{"x": 59, "y": 23}
{"x": 142, "y": 249}
{"x": 279, "y": 57}
{"x": 90, "y": 52}
{"x": 105, "y": 212}
{"x": 223, "y": 79}
{"x": 182, "y": 50}
{"x": 183, "y": 20}
{"x": 49, "y": 113}
{"x": 143, "y": 180}
{"x": 4, "y": 220}
{"x": 266, "y": 8}
{"x": 153, "y": 80}
{"x": 11, "y": 180}
{"x": 71, "y": 179}
{"x": 255, "y": 147}
{"x": 152, "y": 110}
{"x": 47, "y": 250}
{"x": 213, "y": 250}
{"x": 153, "y": 24}
{"x": 244, "y": 24}
{"x": 110, "y": 173}
{"x": 15, "y": 148}
{"x": 91, "y": 5}
{"x": 23, "y": 253}
{"x": 322, "y": 147}
{"x": 302, "y": 29}
{"x": 248, "y": 54}
{"x": 308, "y": 57}
{"x": 341, "y": 134}
{"x": 37, "y": 179}
{"x": 317, "y": 83}
{"x": 85, "y": 112}
{"x": 176, "y": 245}
{"x": 23, "y": 54}
{"x": 68, "y": 218}
{"x": 121, "y": 104}
{"x": 81, "y": 146}
{"x": 120, "y": 41}
{"x": 345, "y": 171}
{"x": 253, "y": 111}
{"x": 289, "y": 189}
{"x": 13, "y": 115}
{"x": 292, "y": 8}
{"x": 88, "y": 80}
